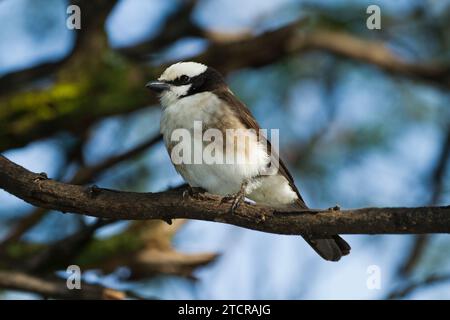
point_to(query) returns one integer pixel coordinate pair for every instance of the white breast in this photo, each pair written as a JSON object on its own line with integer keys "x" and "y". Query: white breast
{"x": 217, "y": 178}
{"x": 183, "y": 112}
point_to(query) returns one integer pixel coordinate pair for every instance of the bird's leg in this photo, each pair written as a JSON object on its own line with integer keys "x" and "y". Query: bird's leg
{"x": 193, "y": 192}
{"x": 236, "y": 198}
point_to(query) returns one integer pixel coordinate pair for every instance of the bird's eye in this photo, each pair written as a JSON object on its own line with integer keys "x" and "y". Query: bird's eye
{"x": 184, "y": 78}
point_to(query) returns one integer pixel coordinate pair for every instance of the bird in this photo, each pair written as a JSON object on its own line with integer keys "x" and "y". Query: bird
{"x": 193, "y": 93}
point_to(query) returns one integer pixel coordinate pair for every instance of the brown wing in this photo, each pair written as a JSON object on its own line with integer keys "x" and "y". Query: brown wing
{"x": 246, "y": 117}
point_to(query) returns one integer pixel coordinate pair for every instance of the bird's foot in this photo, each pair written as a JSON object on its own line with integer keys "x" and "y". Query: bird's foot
{"x": 236, "y": 199}
{"x": 194, "y": 193}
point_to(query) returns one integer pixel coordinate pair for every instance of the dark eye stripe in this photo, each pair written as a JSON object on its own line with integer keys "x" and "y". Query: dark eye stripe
{"x": 181, "y": 80}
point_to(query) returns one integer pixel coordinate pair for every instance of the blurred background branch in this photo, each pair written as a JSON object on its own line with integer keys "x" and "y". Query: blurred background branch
{"x": 55, "y": 288}
{"x": 437, "y": 185}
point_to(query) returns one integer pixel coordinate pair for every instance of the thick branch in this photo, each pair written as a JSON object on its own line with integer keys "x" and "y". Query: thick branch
{"x": 104, "y": 203}
{"x": 82, "y": 176}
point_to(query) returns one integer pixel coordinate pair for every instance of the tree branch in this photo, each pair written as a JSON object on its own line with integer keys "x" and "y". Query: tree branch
{"x": 103, "y": 203}
{"x": 421, "y": 241}
{"x": 146, "y": 250}
{"x": 410, "y": 288}
{"x": 155, "y": 257}
{"x": 58, "y": 253}
{"x": 84, "y": 175}
{"x": 63, "y": 106}
{"x": 55, "y": 288}
{"x": 293, "y": 39}
{"x": 176, "y": 26}
{"x": 94, "y": 15}
{"x": 372, "y": 52}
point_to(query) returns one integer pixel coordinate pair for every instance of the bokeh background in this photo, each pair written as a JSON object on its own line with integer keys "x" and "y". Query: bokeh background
{"x": 73, "y": 105}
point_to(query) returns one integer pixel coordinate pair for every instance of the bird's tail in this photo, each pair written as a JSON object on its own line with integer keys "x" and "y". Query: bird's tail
{"x": 332, "y": 248}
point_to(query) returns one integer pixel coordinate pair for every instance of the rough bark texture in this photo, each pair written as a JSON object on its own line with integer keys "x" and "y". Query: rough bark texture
{"x": 110, "y": 204}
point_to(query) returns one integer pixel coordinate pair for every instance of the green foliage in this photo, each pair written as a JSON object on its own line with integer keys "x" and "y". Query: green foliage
{"x": 101, "y": 249}
{"x": 85, "y": 91}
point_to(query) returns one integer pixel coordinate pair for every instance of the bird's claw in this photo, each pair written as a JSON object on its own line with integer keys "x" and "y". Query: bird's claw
{"x": 193, "y": 192}
{"x": 235, "y": 199}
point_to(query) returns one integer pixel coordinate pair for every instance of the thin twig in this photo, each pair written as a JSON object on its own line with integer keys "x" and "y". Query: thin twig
{"x": 55, "y": 288}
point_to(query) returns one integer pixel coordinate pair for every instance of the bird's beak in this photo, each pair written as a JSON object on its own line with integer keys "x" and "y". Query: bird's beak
{"x": 157, "y": 86}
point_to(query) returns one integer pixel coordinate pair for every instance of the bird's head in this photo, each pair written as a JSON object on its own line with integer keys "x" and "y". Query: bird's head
{"x": 184, "y": 79}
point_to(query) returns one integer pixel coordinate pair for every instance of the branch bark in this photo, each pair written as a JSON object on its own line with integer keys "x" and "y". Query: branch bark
{"x": 156, "y": 256}
{"x": 110, "y": 204}
{"x": 84, "y": 175}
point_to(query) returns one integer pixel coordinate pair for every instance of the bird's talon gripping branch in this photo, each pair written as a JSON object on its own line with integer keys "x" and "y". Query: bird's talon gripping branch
{"x": 235, "y": 199}
{"x": 194, "y": 193}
